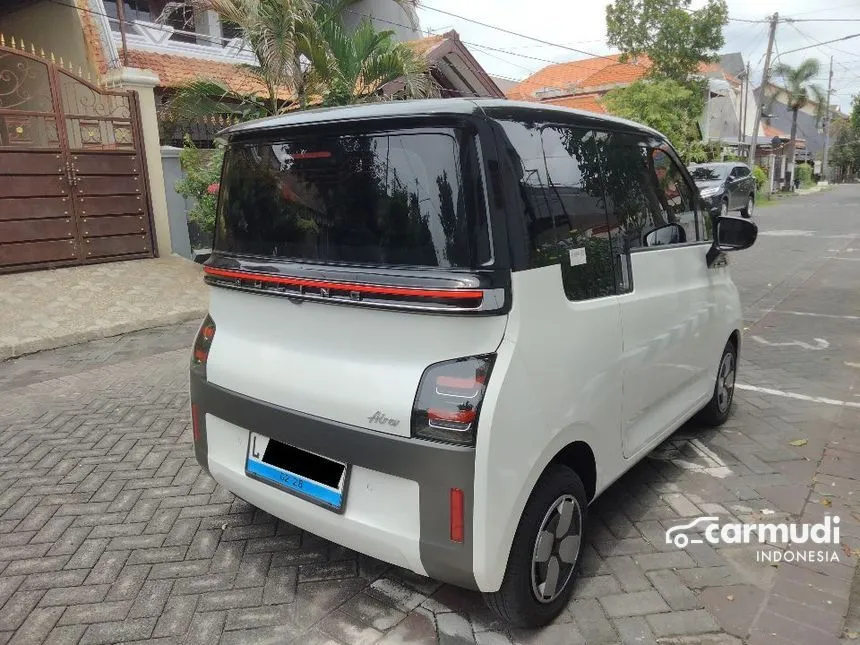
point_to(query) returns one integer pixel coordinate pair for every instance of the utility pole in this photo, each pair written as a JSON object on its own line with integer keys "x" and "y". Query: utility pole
{"x": 120, "y": 15}
{"x": 764, "y": 79}
{"x": 745, "y": 104}
{"x": 827, "y": 116}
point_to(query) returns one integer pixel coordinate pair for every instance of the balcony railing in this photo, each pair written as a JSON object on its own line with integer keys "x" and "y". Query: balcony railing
{"x": 153, "y": 36}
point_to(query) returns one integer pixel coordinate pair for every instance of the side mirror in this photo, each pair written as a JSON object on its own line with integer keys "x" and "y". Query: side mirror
{"x": 735, "y": 234}
{"x": 666, "y": 234}
{"x": 731, "y": 234}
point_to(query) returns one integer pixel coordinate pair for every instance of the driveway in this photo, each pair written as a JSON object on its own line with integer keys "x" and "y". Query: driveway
{"x": 110, "y": 533}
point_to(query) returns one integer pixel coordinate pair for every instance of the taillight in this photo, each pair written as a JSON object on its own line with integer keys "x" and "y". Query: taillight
{"x": 449, "y": 399}
{"x": 203, "y": 342}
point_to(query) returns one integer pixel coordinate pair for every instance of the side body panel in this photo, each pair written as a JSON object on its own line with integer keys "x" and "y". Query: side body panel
{"x": 557, "y": 380}
{"x": 676, "y": 322}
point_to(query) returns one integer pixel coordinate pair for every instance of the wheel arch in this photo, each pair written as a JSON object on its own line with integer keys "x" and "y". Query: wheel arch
{"x": 579, "y": 457}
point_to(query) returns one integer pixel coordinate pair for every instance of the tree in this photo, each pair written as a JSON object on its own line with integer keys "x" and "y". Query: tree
{"x": 801, "y": 90}
{"x": 667, "y": 105}
{"x": 845, "y": 135}
{"x": 353, "y": 67}
{"x": 303, "y": 53}
{"x": 674, "y": 37}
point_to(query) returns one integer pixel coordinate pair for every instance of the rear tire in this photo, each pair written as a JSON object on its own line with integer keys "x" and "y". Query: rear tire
{"x": 747, "y": 211}
{"x": 546, "y": 552}
{"x": 716, "y": 412}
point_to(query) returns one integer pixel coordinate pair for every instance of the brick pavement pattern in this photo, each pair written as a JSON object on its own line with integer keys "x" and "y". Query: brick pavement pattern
{"x": 110, "y": 532}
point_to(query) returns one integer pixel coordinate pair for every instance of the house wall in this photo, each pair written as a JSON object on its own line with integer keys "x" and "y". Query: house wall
{"x": 384, "y": 13}
{"x": 52, "y": 26}
{"x": 807, "y": 128}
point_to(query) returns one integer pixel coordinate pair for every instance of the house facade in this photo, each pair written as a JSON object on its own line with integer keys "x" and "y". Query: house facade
{"x": 730, "y": 106}
{"x": 81, "y": 175}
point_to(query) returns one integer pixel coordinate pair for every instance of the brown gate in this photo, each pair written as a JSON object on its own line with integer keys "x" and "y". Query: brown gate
{"x": 73, "y": 186}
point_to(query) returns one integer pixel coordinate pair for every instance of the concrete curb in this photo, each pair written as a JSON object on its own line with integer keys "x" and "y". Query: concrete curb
{"x": 62, "y": 340}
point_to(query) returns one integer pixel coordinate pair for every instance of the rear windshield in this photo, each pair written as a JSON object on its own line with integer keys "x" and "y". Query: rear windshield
{"x": 395, "y": 198}
{"x": 708, "y": 173}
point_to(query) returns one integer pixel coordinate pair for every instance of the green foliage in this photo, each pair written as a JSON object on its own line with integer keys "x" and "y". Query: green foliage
{"x": 669, "y": 106}
{"x": 353, "y": 66}
{"x": 305, "y": 54}
{"x": 202, "y": 170}
{"x": 760, "y": 176}
{"x": 845, "y": 147}
{"x": 804, "y": 173}
{"x": 798, "y": 83}
{"x": 674, "y": 37}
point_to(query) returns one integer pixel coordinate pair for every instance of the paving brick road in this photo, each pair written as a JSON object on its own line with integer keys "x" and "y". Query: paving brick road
{"x": 110, "y": 533}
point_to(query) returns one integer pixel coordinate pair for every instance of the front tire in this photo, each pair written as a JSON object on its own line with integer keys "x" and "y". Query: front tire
{"x": 747, "y": 211}
{"x": 545, "y": 553}
{"x": 716, "y": 412}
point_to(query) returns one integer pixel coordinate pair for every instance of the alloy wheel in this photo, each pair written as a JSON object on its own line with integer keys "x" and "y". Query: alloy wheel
{"x": 724, "y": 209}
{"x": 726, "y": 382}
{"x": 557, "y": 547}
{"x": 750, "y": 206}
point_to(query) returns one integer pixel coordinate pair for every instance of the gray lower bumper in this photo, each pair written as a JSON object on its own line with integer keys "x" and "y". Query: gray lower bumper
{"x": 436, "y": 467}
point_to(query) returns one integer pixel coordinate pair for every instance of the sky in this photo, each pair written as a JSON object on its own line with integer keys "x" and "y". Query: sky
{"x": 581, "y": 25}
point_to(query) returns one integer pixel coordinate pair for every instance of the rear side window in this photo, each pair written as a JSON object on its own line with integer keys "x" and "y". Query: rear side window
{"x": 409, "y": 197}
{"x": 562, "y": 201}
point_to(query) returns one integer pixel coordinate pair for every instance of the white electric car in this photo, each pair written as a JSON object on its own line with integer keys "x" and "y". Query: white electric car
{"x": 439, "y": 329}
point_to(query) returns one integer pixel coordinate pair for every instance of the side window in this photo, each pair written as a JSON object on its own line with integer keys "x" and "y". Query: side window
{"x": 743, "y": 171}
{"x": 575, "y": 196}
{"x": 561, "y": 197}
{"x": 677, "y": 200}
{"x": 538, "y": 224}
{"x": 631, "y": 197}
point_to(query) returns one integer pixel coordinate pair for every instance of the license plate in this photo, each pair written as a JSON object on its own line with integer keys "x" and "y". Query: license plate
{"x": 306, "y": 474}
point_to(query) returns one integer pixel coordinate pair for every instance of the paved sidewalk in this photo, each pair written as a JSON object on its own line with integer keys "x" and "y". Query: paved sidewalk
{"x": 46, "y": 309}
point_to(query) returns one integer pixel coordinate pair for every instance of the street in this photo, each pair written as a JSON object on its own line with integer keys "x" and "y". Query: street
{"x": 110, "y": 532}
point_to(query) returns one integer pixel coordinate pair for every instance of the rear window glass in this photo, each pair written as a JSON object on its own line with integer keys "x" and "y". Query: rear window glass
{"x": 394, "y": 198}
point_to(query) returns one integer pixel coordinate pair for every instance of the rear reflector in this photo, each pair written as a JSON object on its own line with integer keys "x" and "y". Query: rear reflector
{"x": 457, "y": 515}
{"x": 195, "y": 422}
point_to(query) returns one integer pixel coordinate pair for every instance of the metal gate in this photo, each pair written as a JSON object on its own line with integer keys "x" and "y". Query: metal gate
{"x": 73, "y": 182}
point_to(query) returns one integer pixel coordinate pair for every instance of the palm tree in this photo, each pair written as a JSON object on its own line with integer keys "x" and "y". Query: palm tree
{"x": 801, "y": 90}
{"x": 347, "y": 68}
{"x": 304, "y": 54}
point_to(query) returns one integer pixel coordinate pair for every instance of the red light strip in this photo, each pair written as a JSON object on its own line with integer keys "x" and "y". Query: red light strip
{"x": 311, "y": 155}
{"x": 462, "y": 294}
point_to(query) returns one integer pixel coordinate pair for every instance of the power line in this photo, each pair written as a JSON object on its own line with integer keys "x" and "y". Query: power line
{"x": 512, "y": 33}
{"x": 835, "y": 40}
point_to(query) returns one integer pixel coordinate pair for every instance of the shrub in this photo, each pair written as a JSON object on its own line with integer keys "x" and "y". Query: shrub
{"x": 202, "y": 169}
{"x": 804, "y": 173}
{"x": 760, "y": 176}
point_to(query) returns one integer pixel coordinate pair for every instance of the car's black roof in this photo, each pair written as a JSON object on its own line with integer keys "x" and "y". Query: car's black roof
{"x": 494, "y": 108}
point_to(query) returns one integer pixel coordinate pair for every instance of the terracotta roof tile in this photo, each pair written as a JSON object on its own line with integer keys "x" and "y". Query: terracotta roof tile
{"x": 174, "y": 71}
{"x": 585, "y": 102}
{"x": 581, "y": 75}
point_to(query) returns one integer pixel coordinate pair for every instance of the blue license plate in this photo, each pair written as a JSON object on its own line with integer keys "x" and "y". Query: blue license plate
{"x": 308, "y": 475}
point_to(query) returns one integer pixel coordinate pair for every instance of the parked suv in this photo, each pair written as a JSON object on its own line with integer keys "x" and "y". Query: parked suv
{"x": 726, "y": 187}
{"x": 439, "y": 329}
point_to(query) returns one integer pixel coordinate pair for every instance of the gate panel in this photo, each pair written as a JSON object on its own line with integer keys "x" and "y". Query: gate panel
{"x": 35, "y": 253}
{"x": 72, "y": 185}
{"x": 29, "y": 230}
{"x": 34, "y": 207}
{"x": 32, "y": 186}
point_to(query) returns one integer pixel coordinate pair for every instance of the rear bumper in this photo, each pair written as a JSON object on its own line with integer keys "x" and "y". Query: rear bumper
{"x": 397, "y": 505}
